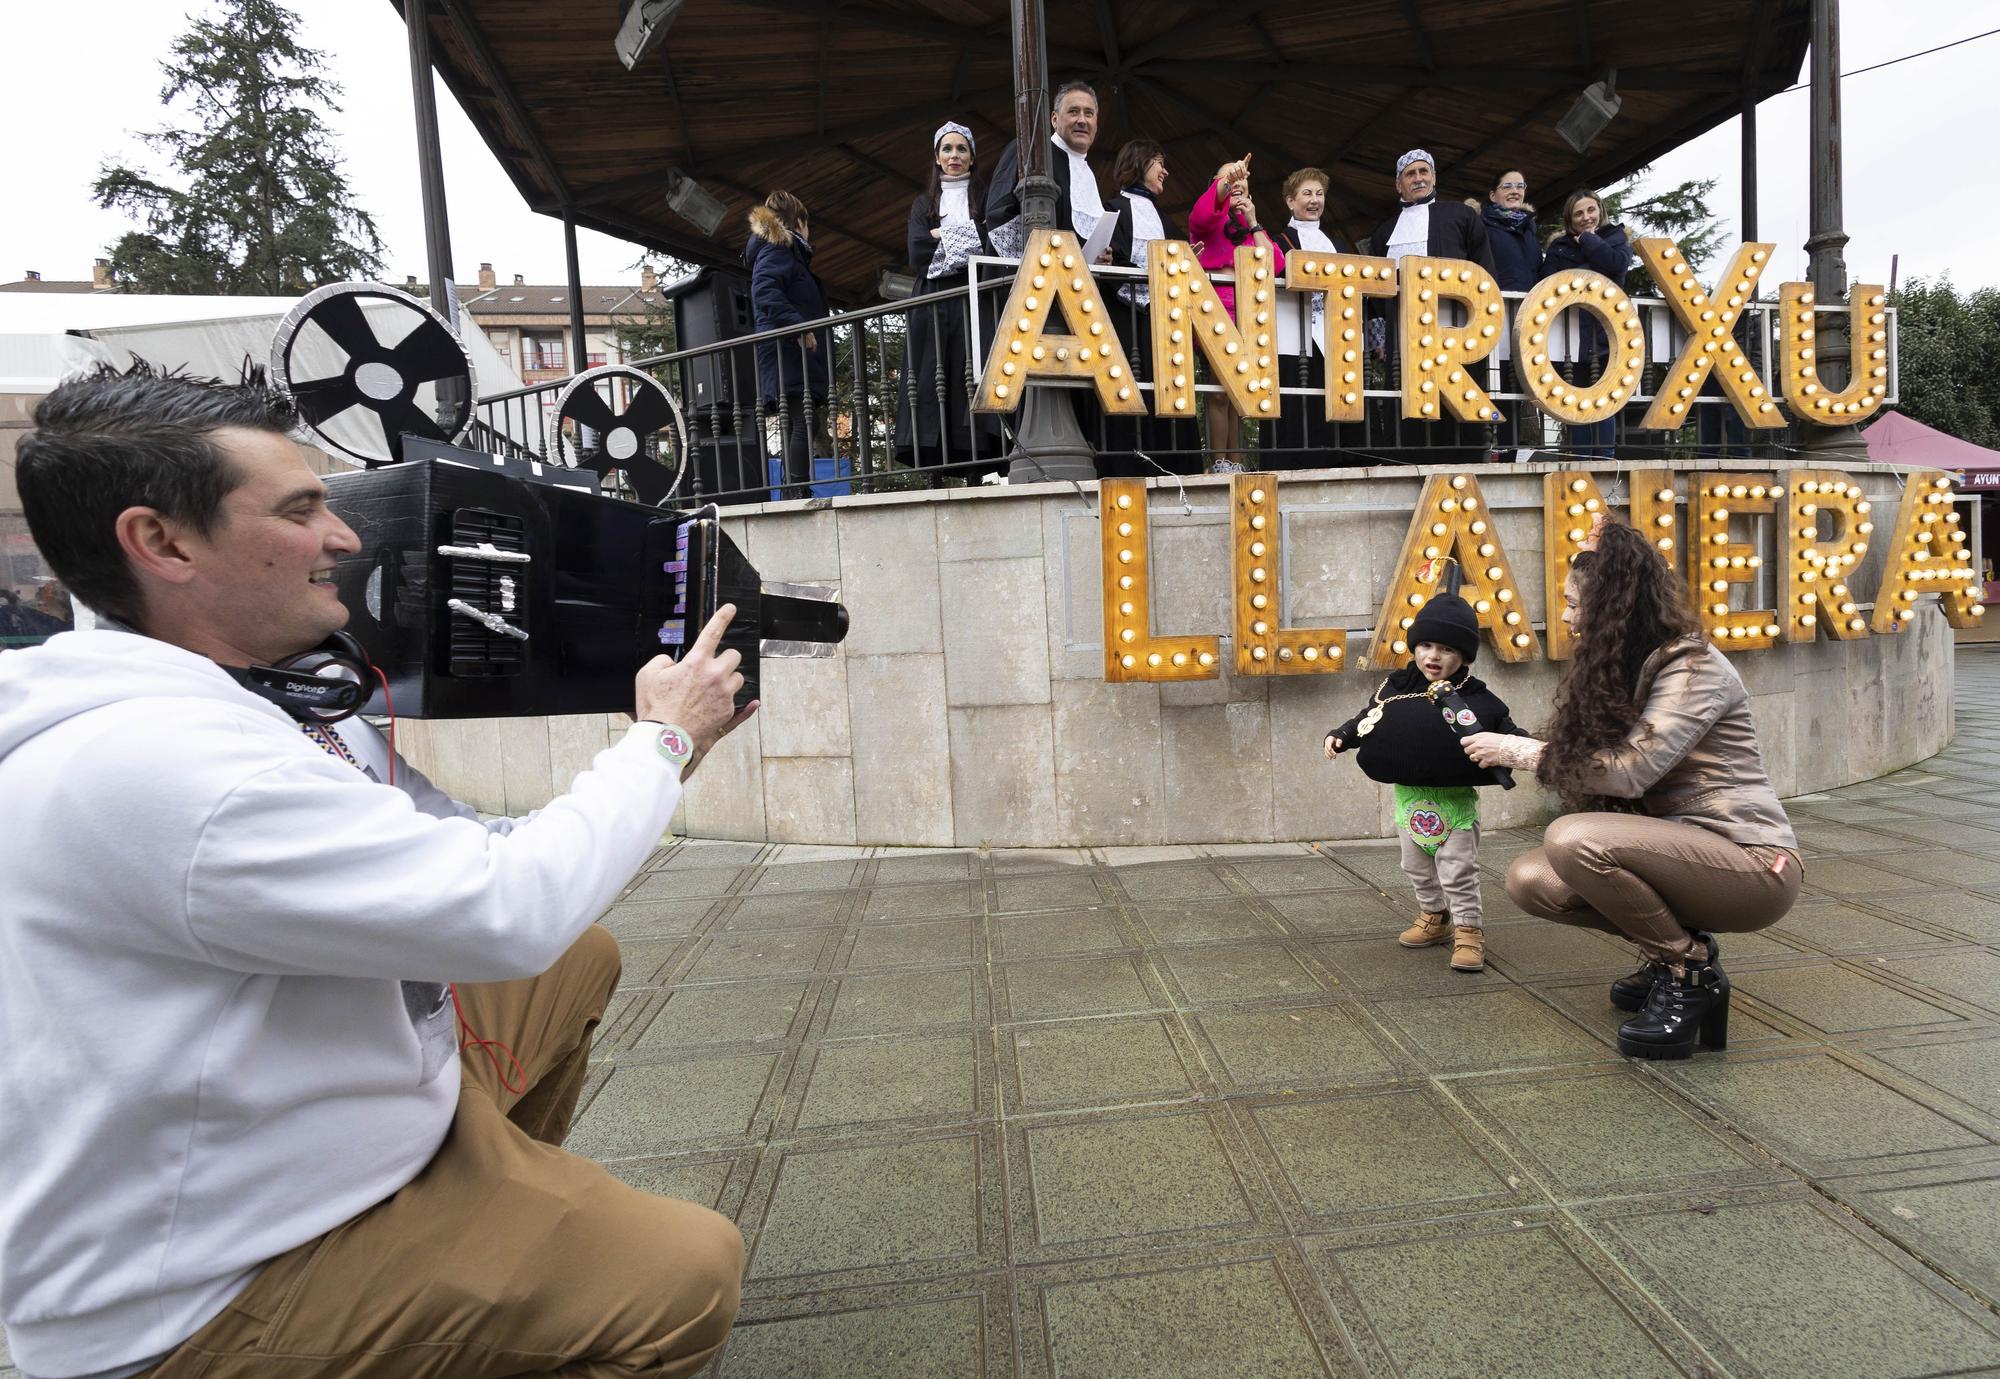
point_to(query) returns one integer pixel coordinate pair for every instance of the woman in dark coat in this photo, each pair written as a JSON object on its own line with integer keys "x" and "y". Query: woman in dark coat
{"x": 784, "y": 292}
{"x": 1586, "y": 242}
{"x": 1516, "y": 244}
{"x": 1510, "y": 233}
{"x": 1140, "y": 174}
{"x": 935, "y": 429}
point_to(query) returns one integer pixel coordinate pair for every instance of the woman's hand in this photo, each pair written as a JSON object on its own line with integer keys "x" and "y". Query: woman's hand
{"x": 1333, "y": 746}
{"x": 1502, "y": 749}
{"x": 937, "y": 232}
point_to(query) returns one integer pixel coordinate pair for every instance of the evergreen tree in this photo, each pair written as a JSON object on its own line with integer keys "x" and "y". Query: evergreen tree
{"x": 256, "y": 202}
{"x": 1946, "y": 345}
{"x": 1680, "y": 213}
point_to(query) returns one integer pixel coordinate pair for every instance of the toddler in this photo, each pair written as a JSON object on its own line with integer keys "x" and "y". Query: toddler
{"x": 1408, "y": 737}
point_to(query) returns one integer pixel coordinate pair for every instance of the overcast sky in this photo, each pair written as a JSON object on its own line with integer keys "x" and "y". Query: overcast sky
{"x": 79, "y": 81}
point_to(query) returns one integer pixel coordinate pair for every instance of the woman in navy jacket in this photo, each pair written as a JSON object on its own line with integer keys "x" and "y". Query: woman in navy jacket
{"x": 784, "y": 292}
{"x": 1585, "y": 242}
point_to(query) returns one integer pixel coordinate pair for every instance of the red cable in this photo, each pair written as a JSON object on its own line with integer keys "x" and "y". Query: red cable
{"x": 390, "y": 705}
{"x": 473, "y": 1041}
{"x": 471, "y": 1035}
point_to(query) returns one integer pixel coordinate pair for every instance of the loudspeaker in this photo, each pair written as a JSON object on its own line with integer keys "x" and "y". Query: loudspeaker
{"x": 712, "y": 306}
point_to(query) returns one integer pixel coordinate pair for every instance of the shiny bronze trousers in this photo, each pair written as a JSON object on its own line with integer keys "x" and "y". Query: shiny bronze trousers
{"x": 1652, "y": 881}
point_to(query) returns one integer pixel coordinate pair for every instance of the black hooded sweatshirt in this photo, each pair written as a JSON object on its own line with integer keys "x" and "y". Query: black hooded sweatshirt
{"x": 1413, "y": 745}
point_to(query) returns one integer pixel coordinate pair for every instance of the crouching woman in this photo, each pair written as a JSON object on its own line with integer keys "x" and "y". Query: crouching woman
{"x": 1673, "y": 832}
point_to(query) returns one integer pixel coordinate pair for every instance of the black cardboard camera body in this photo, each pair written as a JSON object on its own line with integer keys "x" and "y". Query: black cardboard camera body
{"x": 483, "y": 596}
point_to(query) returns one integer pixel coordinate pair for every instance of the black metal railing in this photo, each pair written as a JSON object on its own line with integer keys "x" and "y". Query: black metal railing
{"x": 882, "y": 401}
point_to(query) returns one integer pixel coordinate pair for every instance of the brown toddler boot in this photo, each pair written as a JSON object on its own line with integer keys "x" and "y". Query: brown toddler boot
{"x": 1468, "y": 949}
{"x": 1430, "y": 928}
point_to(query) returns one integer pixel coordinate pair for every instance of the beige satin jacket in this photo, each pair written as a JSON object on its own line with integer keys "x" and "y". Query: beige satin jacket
{"x": 1692, "y": 756}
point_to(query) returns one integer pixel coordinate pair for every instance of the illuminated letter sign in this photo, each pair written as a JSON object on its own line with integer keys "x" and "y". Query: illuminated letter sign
{"x": 1452, "y": 521}
{"x": 1052, "y": 271}
{"x": 1436, "y": 358}
{"x": 1186, "y": 310}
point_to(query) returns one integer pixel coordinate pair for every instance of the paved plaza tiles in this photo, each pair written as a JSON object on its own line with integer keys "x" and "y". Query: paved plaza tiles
{"x": 1147, "y": 1113}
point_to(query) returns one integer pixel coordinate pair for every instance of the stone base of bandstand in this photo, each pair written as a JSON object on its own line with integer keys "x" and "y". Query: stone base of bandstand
{"x": 968, "y": 705}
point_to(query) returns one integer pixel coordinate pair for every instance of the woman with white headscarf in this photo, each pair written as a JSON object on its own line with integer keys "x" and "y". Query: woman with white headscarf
{"x": 935, "y": 428}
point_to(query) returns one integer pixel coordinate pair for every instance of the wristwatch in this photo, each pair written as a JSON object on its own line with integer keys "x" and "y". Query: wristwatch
{"x": 674, "y": 744}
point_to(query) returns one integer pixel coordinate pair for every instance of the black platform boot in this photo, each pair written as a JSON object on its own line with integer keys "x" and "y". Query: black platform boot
{"x": 1679, "y": 1011}
{"x": 1629, "y": 993}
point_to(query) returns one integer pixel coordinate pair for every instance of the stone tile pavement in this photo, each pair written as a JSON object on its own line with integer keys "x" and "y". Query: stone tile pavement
{"x": 1191, "y": 1111}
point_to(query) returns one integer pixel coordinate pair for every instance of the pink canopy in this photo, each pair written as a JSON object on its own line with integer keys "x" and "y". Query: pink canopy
{"x": 1897, "y": 439}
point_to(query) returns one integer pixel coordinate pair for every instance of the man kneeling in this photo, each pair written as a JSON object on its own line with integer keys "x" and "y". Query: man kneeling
{"x": 238, "y": 948}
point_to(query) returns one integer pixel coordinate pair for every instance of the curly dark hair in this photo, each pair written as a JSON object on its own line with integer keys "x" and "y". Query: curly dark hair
{"x": 1630, "y": 604}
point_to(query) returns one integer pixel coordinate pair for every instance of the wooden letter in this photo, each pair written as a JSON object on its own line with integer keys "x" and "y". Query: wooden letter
{"x": 1868, "y": 320}
{"x": 1814, "y": 594}
{"x": 1346, "y": 280}
{"x": 1710, "y": 321}
{"x": 1602, "y": 298}
{"x": 1131, "y": 651}
{"x": 1570, "y": 503}
{"x": 1715, "y": 562}
{"x": 1257, "y": 564}
{"x": 1452, "y": 519}
{"x": 1929, "y": 556}
{"x": 1437, "y": 358}
{"x": 1186, "y": 311}
{"x": 1051, "y": 272}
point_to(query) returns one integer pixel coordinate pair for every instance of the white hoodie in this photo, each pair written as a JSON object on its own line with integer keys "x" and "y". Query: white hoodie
{"x": 207, "y": 928}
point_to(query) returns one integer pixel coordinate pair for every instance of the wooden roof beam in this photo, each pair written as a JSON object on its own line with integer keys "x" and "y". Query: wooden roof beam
{"x": 1242, "y": 138}
{"x": 495, "y": 77}
{"x": 919, "y": 26}
{"x": 1334, "y": 72}
{"x": 1179, "y": 35}
{"x": 1422, "y": 39}
{"x": 888, "y": 122}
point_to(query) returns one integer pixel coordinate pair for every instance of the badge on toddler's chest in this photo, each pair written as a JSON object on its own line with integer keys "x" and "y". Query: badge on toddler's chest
{"x": 1368, "y": 721}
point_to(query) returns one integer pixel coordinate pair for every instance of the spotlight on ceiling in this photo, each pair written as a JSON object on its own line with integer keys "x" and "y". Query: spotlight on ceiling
{"x": 693, "y": 203}
{"x": 892, "y": 286}
{"x": 1594, "y": 109}
{"x": 646, "y": 23}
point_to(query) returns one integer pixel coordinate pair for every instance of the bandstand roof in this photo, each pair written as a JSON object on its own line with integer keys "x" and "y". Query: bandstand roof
{"x": 836, "y": 102}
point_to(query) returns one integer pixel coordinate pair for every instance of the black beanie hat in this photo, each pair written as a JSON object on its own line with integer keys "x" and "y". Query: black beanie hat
{"x": 1447, "y": 620}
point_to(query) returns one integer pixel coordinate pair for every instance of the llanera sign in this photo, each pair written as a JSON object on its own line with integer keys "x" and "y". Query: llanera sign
{"x": 1823, "y": 524}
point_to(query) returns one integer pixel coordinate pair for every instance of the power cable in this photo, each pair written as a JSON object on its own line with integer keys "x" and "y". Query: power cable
{"x": 1894, "y": 60}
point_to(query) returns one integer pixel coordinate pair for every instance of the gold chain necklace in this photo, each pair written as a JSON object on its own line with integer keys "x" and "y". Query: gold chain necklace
{"x": 1430, "y": 691}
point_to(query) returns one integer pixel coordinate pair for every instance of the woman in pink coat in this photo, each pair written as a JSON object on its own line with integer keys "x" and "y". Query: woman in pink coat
{"x": 1224, "y": 217}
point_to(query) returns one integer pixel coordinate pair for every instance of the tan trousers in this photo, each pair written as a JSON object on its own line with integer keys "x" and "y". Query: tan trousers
{"x": 505, "y": 1256}
{"x": 1652, "y": 880}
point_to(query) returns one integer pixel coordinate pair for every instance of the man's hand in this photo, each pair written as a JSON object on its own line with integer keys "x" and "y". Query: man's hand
{"x": 697, "y": 692}
{"x": 812, "y": 343}
{"x": 1333, "y": 746}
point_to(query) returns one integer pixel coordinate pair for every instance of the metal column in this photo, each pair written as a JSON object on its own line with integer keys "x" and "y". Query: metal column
{"x": 579, "y": 358}
{"x": 1827, "y": 264}
{"x": 430, "y": 161}
{"x": 1749, "y": 123}
{"x": 1048, "y": 442}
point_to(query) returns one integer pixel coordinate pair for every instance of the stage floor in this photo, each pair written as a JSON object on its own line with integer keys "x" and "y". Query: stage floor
{"x": 1192, "y": 1112}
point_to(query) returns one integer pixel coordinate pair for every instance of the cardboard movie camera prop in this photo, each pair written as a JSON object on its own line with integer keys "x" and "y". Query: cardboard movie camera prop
{"x": 488, "y": 587}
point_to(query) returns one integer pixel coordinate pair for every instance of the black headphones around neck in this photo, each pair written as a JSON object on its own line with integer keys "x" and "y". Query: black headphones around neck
{"x": 324, "y": 685}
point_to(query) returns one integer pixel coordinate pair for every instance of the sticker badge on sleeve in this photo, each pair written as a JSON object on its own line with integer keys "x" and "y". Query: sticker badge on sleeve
{"x": 1467, "y": 718}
